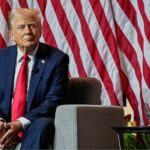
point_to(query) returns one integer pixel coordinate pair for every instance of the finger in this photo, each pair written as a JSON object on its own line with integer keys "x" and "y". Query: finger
{"x": 8, "y": 142}
{"x": 7, "y": 125}
{"x": 11, "y": 142}
{"x": 1, "y": 126}
{"x": 4, "y": 126}
{"x": 6, "y": 136}
{"x": 15, "y": 141}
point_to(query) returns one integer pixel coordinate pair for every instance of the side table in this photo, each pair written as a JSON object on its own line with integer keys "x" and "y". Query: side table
{"x": 137, "y": 129}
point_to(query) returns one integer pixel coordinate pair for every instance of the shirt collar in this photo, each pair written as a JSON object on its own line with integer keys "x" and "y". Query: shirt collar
{"x": 30, "y": 54}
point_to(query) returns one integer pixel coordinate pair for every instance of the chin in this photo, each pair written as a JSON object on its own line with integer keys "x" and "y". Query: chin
{"x": 30, "y": 45}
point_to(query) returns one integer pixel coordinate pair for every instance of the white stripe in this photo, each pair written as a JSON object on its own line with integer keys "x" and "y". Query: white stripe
{"x": 129, "y": 72}
{"x": 103, "y": 48}
{"x": 145, "y": 92}
{"x": 145, "y": 89}
{"x": 34, "y": 4}
{"x": 147, "y": 8}
{"x": 128, "y": 30}
{"x": 4, "y": 28}
{"x": 15, "y": 4}
{"x": 76, "y": 27}
{"x": 141, "y": 25}
{"x": 30, "y": 3}
{"x": 60, "y": 38}
{"x": 108, "y": 12}
{"x": 86, "y": 59}
{"x": 10, "y": 3}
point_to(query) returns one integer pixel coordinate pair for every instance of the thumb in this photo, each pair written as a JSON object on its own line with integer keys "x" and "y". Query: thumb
{"x": 7, "y": 125}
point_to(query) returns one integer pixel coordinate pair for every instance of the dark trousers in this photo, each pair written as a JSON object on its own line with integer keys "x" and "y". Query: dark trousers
{"x": 39, "y": 135}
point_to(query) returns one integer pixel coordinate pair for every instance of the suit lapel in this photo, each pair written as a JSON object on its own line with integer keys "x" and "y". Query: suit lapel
{"x": 9, "y": 70}
{"x": 39, "y": 65}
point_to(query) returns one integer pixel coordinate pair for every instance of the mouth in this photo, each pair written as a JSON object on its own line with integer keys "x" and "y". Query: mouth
{"x": 29, "y": 39}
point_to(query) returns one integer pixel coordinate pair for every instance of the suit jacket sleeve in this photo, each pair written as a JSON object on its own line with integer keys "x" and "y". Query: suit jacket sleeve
{"x": 51, "y": 93}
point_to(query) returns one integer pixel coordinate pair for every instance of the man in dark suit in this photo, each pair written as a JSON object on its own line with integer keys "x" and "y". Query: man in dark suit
{"x": 47, "y": 78}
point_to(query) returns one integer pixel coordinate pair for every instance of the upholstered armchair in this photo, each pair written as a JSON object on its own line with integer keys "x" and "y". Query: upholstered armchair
{"x": 84, "y": 123}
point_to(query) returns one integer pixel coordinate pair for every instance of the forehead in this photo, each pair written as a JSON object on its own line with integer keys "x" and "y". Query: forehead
{"x": 25, "y": 19}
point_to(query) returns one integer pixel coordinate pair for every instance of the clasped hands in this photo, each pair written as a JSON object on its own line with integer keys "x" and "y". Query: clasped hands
{"x": 9, "y": 134}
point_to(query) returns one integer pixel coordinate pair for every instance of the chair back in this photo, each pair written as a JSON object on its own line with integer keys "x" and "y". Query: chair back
{"x": 84, "y": 91}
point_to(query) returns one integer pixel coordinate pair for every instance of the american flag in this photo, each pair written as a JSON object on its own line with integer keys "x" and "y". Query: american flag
{"x": 105, "y": 39}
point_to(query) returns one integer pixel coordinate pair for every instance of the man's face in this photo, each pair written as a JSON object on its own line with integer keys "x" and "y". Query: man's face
{"x": 26, "y": 33}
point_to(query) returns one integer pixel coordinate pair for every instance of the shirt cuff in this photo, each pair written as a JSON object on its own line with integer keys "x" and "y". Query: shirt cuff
{"x": 25, "y": 122}
{"x": 1, "y": 119}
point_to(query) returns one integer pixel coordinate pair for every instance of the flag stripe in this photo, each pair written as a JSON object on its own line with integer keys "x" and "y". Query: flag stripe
{"x": 130, "y": 95}
{"x": 5, "y": 9}
{"x": 60, "y": 38}
{"x": 132, "y": 16}
{"x": 93, "y": 51}
{"x": 105, "y": 76}
{"x": 23, "y": 3}
{"x": 47, "y": 33}
{"x": 132, "y": 57}
{"x": 69, "y": 36}
{"x": 145, "y": 18}
{"x": 109, "y": 38}
{"x": 2, "y": 42}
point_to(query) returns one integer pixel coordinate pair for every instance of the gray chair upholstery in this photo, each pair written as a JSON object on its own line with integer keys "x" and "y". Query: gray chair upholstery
{"x": 84, "y": 123}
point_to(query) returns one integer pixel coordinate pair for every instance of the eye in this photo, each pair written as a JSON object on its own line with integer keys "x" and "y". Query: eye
{"x": 20, "y": 27}
{"x": 32, "y": 26}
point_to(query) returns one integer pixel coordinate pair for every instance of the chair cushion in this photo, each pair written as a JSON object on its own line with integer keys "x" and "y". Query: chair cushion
{"x": 87, "y": 127}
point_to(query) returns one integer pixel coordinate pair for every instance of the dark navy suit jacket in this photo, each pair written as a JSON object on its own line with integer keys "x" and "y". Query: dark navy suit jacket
{"x": 48, "y": 83}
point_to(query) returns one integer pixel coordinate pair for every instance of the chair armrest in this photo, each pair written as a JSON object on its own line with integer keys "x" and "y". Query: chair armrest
{"x": 87, "y": 126}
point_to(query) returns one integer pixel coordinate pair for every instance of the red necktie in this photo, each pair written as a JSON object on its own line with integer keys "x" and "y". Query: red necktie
{"x": 19, "y": 101}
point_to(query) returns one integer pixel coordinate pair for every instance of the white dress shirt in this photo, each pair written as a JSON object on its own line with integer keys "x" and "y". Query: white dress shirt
{"x": 25, "y": 122}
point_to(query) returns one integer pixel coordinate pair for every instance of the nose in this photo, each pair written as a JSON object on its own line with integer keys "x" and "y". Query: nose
{"x": 27, "y": 29}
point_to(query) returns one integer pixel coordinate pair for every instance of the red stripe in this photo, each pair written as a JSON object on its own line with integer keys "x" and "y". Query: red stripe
{"x": 42, "y": 5}
{"x": 2, "y": 42}
{"x": 95, "y": 54}
{"x": 146, "y": 69}
{"x": 146, "y": 72}
{"x": 145, "y": 19}
{"x": 5, "y": 9}
{"x": 23, "y": 3}
{"x": 131, "y": 97}
{"x": 126, "y": 6}
{"x": 107, "y": 32}
{"x": 47, "y": 32}
{"x": 70, "y": 36}
{"x": 132, "y": 15}
{"x": 128, "y": 51}
{"x": 132, "y": 57}
{"x": 48, "y": 35}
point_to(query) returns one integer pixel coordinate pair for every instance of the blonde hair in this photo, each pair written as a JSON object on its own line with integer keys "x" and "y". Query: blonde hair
{"x": 32, "y": 13}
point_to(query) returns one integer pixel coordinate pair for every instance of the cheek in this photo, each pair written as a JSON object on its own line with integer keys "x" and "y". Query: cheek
{"x": 17, "y": 39}
{"x": 37, "y": 35}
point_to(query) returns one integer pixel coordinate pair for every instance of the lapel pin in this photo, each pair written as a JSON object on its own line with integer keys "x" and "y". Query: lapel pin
{"x": 43, "y": 61}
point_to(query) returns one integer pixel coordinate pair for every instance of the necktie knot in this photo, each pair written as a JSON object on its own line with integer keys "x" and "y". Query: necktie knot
{"x": 25, "y": 58}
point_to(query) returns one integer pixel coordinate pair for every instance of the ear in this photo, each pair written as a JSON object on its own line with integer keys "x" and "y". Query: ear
{"x": 11, "y": 34}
